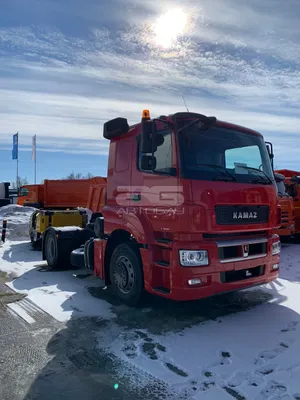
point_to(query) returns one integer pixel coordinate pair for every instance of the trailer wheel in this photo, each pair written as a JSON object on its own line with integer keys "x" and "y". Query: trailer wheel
{"x": 57, "y": 252}
{"x": 126, "y": 274}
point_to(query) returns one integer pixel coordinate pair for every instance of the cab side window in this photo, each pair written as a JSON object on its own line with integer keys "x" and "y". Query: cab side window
{"x": 163, "y": 154}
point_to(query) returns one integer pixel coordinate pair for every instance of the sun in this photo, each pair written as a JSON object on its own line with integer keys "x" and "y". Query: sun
{"x": 169, "y": 27}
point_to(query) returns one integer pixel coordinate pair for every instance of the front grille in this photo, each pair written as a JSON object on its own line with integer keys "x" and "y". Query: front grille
{"x": 240, "y": 215}
{"x": 240, "y": 250}
{"x": 244, "y": 274}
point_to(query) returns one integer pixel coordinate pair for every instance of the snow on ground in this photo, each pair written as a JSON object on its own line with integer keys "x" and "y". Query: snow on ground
{"x": 17, "y": 221}
{"x": 59, "y": 293}
{"x": 253, "y": 352}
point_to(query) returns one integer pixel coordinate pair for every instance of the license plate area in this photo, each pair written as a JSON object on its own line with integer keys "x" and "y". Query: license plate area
{"x": 242, "y": 275}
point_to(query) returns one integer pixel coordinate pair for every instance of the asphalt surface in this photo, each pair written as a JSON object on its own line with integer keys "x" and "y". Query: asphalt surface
{"x": 41, "y": 358}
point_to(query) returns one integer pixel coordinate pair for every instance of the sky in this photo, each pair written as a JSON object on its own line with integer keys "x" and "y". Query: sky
{"x": 67, "y": 66}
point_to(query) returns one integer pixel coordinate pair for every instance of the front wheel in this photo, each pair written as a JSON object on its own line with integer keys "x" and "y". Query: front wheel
{"x": 126, "y": 274}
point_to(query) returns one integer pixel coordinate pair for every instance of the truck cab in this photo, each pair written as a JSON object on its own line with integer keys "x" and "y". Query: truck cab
{"x": 287, "y": 225}
{"x": 292, "y": 184}
{"x": 189, "y": 212}
{"x": 199, "y": 198}
{"x": 31, "y": 196}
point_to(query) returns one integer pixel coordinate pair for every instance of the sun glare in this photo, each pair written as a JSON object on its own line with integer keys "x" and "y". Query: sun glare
{"x": 169, "y": 27}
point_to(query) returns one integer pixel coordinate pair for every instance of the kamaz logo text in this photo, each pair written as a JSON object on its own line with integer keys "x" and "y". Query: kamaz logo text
{"x": 245, "y": 215}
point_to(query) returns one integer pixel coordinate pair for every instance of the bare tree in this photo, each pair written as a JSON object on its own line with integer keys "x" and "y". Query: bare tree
{"x": 20, "y": 182}
{"x": 78, "y": 175}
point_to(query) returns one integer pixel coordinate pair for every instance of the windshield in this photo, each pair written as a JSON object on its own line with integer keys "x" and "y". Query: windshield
{"x": 23, "y": 192}
{"x": 224, "y": 154}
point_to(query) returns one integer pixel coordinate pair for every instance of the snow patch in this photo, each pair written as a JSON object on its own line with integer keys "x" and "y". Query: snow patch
{"x": 17, "y": 218}
{"x": 249, "y": 354}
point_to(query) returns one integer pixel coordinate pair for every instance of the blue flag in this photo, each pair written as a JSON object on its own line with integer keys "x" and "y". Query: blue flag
{"x": 15, "y": 149}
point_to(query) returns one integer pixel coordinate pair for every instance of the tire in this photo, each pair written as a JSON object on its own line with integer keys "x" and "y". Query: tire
{"x": 126, "y": 274}
{"x": 89, "y": 254}
{"x": 57, "y": 252}
{"x": 77, "y": 258}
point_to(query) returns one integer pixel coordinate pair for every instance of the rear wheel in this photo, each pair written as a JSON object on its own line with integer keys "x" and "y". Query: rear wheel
{"x": 57, "y": 252}
{"x": 126, "y": 274}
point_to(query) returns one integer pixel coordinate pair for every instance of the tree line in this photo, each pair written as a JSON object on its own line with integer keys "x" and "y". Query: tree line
{"x": 24, "y": 181}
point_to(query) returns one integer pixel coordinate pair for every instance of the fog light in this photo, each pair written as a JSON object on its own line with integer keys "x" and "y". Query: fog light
{"x": 192, "y": 282}
{"x": 275, "y": 267}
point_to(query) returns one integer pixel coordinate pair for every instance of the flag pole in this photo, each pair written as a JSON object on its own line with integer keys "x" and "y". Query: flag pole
{"x": 34, "y": 155}
{"x": 17, "y": 181}
{"x": 17, "y": 155}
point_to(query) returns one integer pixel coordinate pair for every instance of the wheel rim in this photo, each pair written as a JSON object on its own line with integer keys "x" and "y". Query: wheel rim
{"x": 51, "y": 247}
{"x": 123, "y": 275}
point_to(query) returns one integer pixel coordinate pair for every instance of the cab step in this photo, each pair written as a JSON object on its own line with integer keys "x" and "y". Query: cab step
{"x": 164, "y": 264}
{"x": 164, "y": 242}
{"x": 162, "y": 290}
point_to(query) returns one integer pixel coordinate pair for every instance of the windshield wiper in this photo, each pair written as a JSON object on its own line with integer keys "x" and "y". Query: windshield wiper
{"x": 257, "y": 170}
{"x": 221, "y": 169}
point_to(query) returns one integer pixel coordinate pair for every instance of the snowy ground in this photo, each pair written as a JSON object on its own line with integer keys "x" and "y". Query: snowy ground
{"x": 238, "y": 346}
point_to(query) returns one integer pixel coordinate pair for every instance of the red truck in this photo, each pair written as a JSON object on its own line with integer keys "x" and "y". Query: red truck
{"x": 292, "y": 184}
{"x": 287, "y": 225}
{"x": 189, "y": 208}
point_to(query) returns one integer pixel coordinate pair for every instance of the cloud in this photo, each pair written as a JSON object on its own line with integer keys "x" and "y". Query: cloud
{"x": 237, "y": 60}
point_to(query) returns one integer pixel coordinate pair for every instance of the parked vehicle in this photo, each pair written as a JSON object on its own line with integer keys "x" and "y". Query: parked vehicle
{"x": 57, "y": 194}
{"x": 292, "y": 182}
{"x": 4, "y": 194}
{"x": 188, "y": 211}
{"x": 52, "y": 199}
{"x": 287, "y": 226}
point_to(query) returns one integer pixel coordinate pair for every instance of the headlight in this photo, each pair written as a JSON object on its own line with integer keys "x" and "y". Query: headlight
{"x": 193, "y": 258}
{"x": 276, "y": 246}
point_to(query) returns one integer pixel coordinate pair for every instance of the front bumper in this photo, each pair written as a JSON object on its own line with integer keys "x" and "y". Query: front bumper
{"x": 285, "y": 230}
{"x": 218, "y": 277}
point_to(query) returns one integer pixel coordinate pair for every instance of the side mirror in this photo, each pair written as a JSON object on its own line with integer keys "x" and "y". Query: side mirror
{"x": 270, "y": 151}
{"x": 148, "y": 163}
{"x": 148, "y": 140}
{"x": 115, "y": 127}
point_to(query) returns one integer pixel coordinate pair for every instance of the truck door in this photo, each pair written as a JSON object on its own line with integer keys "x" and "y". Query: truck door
{"x": 156, "y": 194}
